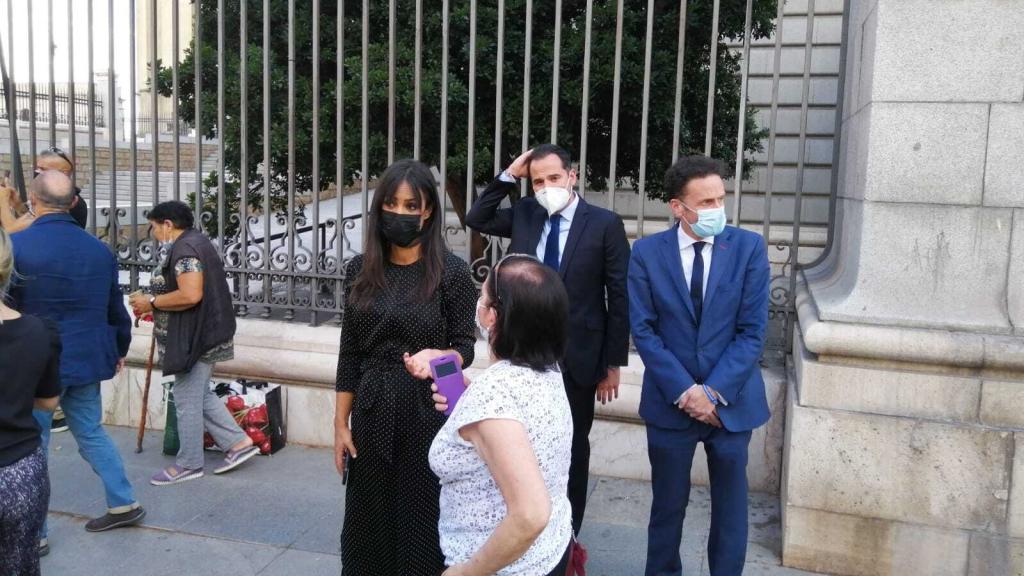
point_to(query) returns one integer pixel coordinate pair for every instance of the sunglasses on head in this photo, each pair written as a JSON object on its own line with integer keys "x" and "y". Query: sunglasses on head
{"x": 63, "y": 155}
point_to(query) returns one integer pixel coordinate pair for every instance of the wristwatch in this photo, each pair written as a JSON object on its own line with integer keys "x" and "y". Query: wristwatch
{"x": 152, "y": 302}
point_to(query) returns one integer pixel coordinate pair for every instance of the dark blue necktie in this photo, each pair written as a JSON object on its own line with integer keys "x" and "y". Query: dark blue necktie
{"x": 551, "y": 248}
{"x": 697, "y": 280}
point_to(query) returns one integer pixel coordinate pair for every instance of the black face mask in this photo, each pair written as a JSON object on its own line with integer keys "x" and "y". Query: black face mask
{"x": 400, "y": 229}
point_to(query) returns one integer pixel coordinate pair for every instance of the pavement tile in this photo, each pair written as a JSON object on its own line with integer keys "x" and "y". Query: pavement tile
{"x": 282, "y": 515}
{"x": 148, "y": 552}
{"x": 293, "y": 562}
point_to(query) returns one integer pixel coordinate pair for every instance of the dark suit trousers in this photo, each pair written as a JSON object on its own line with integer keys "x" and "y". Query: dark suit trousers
{"x": 671, "y": 454}
{"x": 581, "y": 404}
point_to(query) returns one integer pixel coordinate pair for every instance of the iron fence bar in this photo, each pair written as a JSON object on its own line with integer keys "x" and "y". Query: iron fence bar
{"x": 642, "y": 198}
{"x": 585, "y": 101}
{"x": 32, "y": 83}
{"x": 443, "y": 156}
{"x": 12, "y": 123}
{"x": 708, "y": 135}
{"x": 289, "y": 313}
{"x": 243, "y": 172}
{"x": 741, "y": 131}
{"x": 680, "y": 53}
{"x": 111, "y": 132}
{"x": 772, "y": 121}
{"x": 154, "y": 102}
{"x": 364, "y": 138}
{"x": 417, "y": 73}
{"x": 392, "y": 17}
{"x": 51, "y": 56}
{"x": 11, "y": 100}
{"x": 174, "y": 97}
{"x": 133, "y": 151}
{"x": 555, "y": 70}
{"x": 340, "y": 152}
{"x": 616, "y": 88}
{"x": 315, "y": 264}
{"x": 267, "y": 212}
{"x": 499, "y": 74}
{"x": 794, "y": 247}
{"x": 470, "y": 130}
{"x": 91, "y": 115}
{"x": 72, "y": 143}
{"x": 527, "y": 49}
{"x": 220, "y": 126}
{"x": 836, "y": 141}
{"x": 198, "y": 8}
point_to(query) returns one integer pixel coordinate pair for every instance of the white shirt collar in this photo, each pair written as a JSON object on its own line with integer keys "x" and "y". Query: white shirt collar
{"x": 685, "y": 240}
{"x": 569, "y": 212}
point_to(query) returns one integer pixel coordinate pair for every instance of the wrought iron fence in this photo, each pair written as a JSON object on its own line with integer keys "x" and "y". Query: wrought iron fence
{"x": 66, "y": 110}
{"x": 469, "y": 85}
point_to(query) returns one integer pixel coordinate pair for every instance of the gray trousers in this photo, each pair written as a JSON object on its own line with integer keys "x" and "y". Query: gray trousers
{"x": 198, "y": 408}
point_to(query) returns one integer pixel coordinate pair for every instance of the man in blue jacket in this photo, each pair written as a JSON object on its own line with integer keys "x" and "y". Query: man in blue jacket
{"x": 698, "y": 307}
{"x": 70, "y": 277}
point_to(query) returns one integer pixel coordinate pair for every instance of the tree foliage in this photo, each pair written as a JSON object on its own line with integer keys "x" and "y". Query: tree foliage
{"x": 600, "y": 94}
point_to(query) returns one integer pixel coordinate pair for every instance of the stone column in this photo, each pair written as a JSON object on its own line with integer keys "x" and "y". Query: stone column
{"x": 904, "y": 447}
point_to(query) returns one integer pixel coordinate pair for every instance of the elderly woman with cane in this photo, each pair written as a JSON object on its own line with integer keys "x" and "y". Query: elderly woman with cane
{"x": 194, "y": 324}
{"x": 503, "y": 455}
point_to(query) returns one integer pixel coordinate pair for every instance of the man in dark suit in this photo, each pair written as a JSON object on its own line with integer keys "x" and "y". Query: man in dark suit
{"x": 698, "y": 304}
{"x": 588, "y": 247}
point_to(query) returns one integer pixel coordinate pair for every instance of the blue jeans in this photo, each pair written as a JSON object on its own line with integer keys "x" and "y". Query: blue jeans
{"x": 84, "y": 413}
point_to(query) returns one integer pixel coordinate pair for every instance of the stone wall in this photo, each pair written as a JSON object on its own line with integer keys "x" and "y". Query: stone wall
{"x": 905, "y": 429}
{"x": 304, "y": 359}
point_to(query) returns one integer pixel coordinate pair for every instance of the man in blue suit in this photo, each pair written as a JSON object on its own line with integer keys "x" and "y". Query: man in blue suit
{"x": 70, "y": 277}
{"x": 698, "y": 304}
{"x": 587, "y": 245}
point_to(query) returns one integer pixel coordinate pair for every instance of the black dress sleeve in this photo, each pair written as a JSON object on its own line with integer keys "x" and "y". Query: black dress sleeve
{"x": 349, "y": 354}
{"x": 460, "y": 295}
{"x": 49, "y": 382}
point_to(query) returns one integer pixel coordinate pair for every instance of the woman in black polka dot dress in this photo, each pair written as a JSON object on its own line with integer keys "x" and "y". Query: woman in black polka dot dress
{"x": 408, "y": 300}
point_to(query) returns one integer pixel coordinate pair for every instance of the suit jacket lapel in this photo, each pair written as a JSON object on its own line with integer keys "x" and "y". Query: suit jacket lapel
{"x": 721, "y": 260}
{"x": 537, "y": 220}
{"x": 674, "y": 262}
{"x": 579, "y": 222}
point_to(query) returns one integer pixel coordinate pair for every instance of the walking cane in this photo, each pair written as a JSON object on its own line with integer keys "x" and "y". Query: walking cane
{"x": 145, "y": 394}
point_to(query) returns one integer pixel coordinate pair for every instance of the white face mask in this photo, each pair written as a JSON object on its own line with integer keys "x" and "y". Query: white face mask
{"x": 484, "y": 331}
{"x": 553, "y": 198}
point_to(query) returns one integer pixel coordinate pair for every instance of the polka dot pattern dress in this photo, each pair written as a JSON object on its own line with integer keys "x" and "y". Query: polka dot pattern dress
{"x": 391, "y": 500}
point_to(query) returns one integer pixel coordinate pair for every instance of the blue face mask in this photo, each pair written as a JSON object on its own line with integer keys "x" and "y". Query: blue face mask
{"x": 710, "y": 221}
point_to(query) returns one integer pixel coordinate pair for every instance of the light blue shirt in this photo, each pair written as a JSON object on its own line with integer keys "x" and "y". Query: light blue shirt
{"x": 567, "y": 215}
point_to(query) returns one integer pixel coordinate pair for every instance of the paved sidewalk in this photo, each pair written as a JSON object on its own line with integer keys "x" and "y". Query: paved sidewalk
{"x": 281, "y": 515}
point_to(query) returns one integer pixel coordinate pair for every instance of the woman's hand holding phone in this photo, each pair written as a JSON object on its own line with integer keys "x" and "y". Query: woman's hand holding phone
{"x": 440, "y": 401}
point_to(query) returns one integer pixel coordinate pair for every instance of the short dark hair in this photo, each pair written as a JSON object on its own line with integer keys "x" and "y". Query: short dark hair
{"x": 174, "y": 210}
{"x": 533, "y": 312}
{"x": 545, "y": 150}
{"x": 690, "y": 168}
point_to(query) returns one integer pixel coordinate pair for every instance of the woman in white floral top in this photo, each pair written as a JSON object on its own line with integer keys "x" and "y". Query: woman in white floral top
{"x": 503, "y": 455}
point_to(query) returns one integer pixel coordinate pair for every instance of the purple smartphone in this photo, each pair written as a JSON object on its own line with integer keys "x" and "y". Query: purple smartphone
{"x": 448, "y": 376}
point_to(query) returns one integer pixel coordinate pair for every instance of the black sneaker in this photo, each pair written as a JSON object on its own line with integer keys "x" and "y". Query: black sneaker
{"x": 110, "y": 521}
{"x": 44, "y": 547}
{"x": 60, "y": 423}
